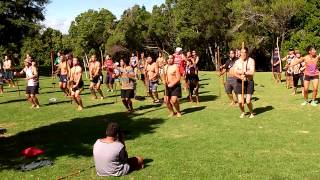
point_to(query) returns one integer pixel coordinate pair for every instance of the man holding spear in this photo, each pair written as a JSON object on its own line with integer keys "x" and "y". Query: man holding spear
{"x": 244, "y": 69}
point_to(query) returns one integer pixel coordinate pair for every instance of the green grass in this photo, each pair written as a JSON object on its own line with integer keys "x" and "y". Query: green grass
{"x": 208, "y": 142}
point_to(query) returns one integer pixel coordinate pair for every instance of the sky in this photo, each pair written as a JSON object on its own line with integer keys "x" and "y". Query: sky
{"x": 60, "y": 13}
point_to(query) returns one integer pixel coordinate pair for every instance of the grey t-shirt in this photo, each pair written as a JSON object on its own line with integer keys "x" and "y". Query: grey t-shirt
{"x": 110, "y": 158}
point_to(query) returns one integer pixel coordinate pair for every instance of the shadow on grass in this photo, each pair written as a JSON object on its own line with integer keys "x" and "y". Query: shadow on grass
{"x": 261, "y": 110}
{"x": 15, "y": 100}
{"x": 97, "y": 105}
{"x": 255, "y": 98}
{"x": 72, "y": 138}
{"x": 147, "y": 162}
{"x": 193, "y": 109}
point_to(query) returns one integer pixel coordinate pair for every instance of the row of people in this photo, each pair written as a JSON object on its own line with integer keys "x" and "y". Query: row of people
{"x": 298, "y": 67}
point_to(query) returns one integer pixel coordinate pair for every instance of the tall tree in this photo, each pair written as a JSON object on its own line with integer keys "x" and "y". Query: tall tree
{"x": 90, "y": 30}
{"x": 19, "y": 19}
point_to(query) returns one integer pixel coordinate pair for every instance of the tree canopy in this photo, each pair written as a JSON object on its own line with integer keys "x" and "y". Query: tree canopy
{"x": 200, "y": 25}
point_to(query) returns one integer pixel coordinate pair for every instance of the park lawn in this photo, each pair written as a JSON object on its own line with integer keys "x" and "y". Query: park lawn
{"x": 208, "y": 142}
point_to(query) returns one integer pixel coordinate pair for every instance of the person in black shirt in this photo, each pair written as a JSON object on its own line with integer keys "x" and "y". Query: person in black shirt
{"x": 193, "y": 83}
{"x": 231, "y": 80}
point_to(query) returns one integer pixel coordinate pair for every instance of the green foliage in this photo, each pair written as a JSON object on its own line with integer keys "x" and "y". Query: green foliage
{"x": 40, "y": 46}
{"x": 90, "y": 30}
{"x": 19, "y": 19}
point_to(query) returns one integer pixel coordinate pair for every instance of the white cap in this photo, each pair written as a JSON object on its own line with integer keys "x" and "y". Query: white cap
{"x": 117, "y": 64}
{"x": 178, "y": 49}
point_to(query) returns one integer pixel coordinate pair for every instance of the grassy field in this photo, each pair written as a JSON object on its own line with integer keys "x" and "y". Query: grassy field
{"x": 208, "y": 142}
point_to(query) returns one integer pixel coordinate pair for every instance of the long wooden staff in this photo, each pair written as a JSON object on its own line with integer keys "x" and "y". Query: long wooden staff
{"x": 52, "y": 70}
{"x": 101, "y": 57}
{"x": 85, "y": 67}
{"x": 272, "y": 62}
{"x": 219, "y": 65}
{"x": 279, "y": 55}
{"x": 242, "y": 82}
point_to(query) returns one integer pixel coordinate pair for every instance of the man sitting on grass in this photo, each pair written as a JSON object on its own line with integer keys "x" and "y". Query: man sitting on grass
{"x": 110, "y": 155}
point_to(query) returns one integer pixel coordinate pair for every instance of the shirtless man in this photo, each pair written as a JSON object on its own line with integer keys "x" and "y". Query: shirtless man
{"x": 230, "y": 85}
{"x": 96, "y": 78}
{"x": 172, "y": 87}
{"x": 8, "y": 71}
{"x": 152, "y": 72}
{"x": 244, "y": 69}
{"x": 64, "y": 73}
{"x": 76, "y": 83}
{"x": 32, "y": 88}
{"x": 127, "y": 84}
{"x": 161, "y": 61}
{"x": 311, "y": 73}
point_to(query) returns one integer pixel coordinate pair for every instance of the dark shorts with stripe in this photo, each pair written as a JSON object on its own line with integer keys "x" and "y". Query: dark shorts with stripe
{"x": 97, "y": 79}
{"x": 63, "y": 78}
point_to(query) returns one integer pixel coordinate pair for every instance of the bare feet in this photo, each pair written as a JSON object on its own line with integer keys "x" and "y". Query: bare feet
{"x": 172, "y": 114}
{"x": 80, "y": 108}
{"x": 178, "y": 115}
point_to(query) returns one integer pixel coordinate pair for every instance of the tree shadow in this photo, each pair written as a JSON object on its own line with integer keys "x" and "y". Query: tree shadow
{"x": 147, "y": 162}
{"x": 193, "y": 109}
{"x": 73, "y": 138}
{"x": 13, "y": 101}
{"x": 97, "y": 105}
{"x": 56, "y": 103}
{"x": 207, "y": 98}
{"x": 261, "y": 110}
{"x": 205, "y": 79}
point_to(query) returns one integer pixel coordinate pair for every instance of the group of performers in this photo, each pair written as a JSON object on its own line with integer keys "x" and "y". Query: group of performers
{"x": 298, "y": 67}
{"x": 152, "y": 72}
{"x": 170, "y": 72}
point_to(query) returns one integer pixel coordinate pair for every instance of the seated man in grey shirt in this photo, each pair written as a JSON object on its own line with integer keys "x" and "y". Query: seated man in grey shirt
{"x": 110, "y": 155}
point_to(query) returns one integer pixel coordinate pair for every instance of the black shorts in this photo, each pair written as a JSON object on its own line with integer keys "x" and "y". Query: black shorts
{"x": 79, "y": 87}
{"x": 310, "y": 78}
{"x": 63, "y": 78}
{"x": 142, "y": 77}
{"x": 174, "y": 91}
{"x": 8, "y": 74}
{"x": 296, "y": 78}
{"x": 97, "y": 79}
{"x": 193, "y": 90}
{"x": 288, "y": 74}
{"x": 230, "y": 85}
{"x": 127, "y": 93}
{"x": 109, "y": 79}
{"x": 276, "y": 69}
{"x": 248, "y": 87}
{"x": 32, "y": 89}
